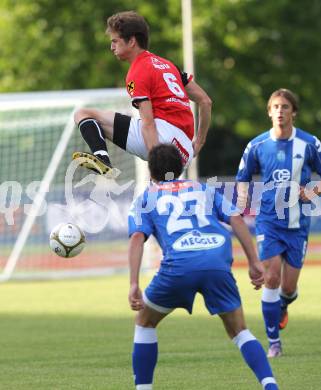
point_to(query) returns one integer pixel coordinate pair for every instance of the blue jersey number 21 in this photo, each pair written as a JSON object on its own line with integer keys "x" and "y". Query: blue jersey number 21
{"x": 174, "y": 222}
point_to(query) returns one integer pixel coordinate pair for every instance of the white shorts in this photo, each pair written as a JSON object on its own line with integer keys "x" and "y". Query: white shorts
{"x": 167, "y": 133}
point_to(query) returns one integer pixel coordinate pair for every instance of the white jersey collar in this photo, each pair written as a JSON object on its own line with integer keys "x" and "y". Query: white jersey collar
{"x": 273, "y": 137}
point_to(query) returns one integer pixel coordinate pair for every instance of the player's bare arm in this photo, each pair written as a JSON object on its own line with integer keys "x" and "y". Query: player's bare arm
{"x": 244, "y": 236}
{"x": 149, "y": 130}
{"x": 135, "y": 254}
{"x": 204, "y": 103}
{"x": 242, "y": 195}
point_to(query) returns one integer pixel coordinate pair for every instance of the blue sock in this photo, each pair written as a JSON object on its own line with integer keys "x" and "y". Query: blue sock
{"x": 270, "y": 386}
{"x": 271, "y": 309}
{"x": 144, "y": 356}
{"x": 255, "y": 357}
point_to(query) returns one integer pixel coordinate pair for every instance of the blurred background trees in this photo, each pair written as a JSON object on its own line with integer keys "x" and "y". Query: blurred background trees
{"x": 244, "y": 50}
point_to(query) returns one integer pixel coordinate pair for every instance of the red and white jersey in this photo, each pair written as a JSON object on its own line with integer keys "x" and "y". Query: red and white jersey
{"x": 156, "y": 79}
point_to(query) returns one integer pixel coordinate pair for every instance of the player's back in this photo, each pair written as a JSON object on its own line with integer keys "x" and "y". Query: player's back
{"x": 185, "y": 216}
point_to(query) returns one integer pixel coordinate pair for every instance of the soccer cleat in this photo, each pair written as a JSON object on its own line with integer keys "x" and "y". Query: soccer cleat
{"x": 284, "y": 319}
{"x": 275, "y": 350}
{"x": 96, "y": 164}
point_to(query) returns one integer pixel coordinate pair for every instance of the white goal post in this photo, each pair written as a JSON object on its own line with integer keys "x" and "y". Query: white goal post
{"x": 40, "y": 188}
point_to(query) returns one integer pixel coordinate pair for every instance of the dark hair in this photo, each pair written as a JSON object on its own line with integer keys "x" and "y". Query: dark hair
{"x": 165, "y": 162}
{"x": 287, "y": 94}
{"x": 129, "y": 24}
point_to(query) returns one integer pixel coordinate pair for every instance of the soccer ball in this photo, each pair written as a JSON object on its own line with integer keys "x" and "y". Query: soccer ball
{"x": 67, "y": 240}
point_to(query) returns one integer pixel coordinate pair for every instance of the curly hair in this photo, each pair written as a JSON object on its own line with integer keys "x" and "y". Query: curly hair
{"x": 165, "y": 162}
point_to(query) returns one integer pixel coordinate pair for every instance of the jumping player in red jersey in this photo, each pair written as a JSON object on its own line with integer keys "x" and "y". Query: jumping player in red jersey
{"x": 158, "y": 89}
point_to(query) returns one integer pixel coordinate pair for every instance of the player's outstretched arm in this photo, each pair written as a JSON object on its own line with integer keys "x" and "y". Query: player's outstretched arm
{"x": 244, "y": 236}
{"x": 149, "y": 130}
{"x": 135, "y": 255}
{"x": 204, "y": 103}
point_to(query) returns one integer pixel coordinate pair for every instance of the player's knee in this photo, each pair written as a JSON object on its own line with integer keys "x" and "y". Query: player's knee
{"x": 78, "y": 116}
{"x": 289, "y": 293}
{"x": 145, "y": 322}
{"x": 272, "y": 280}
{"x": 81, "y": 114}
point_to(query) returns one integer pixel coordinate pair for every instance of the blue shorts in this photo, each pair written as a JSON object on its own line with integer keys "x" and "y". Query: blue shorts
{"x": 168, "y": 292}
{"x": 290, "y": 244}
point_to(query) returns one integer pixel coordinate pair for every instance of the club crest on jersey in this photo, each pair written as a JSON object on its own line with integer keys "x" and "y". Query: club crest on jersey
{"x": 130, "y": 87}
{"x": 197, "y": 241}
{"x": 281, "y": 175}
{"x": 280, "y": 155}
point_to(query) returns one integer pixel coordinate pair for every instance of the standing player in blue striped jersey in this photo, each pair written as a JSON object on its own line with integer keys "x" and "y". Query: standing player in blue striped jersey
{"x": 185, "y": 216}
{"x": 285, "y": 157}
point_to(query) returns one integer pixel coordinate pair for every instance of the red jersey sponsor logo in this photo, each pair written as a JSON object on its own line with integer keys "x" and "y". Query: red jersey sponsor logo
{"x": 175, "y": 100}
{"x": 158, "y": 64}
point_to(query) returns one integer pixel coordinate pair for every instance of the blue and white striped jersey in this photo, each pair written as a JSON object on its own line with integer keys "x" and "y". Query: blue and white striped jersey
{"x": 184, "y": 216}
{"x": 284, "y": 165}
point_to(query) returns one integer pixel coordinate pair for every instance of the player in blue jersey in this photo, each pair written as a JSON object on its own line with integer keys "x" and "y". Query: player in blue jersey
{"x": 185, "y": 216}
{"x": 284, "y": 156}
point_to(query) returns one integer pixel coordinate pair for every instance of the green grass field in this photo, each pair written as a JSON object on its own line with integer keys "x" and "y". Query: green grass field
{"x": 78, "y": 335}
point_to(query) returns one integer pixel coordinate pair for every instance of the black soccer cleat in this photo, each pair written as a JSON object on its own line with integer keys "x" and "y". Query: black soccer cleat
{"x": 96, "y": 164}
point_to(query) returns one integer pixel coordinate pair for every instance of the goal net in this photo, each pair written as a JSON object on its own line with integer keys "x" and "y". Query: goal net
{"x": 40, "y": 187}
